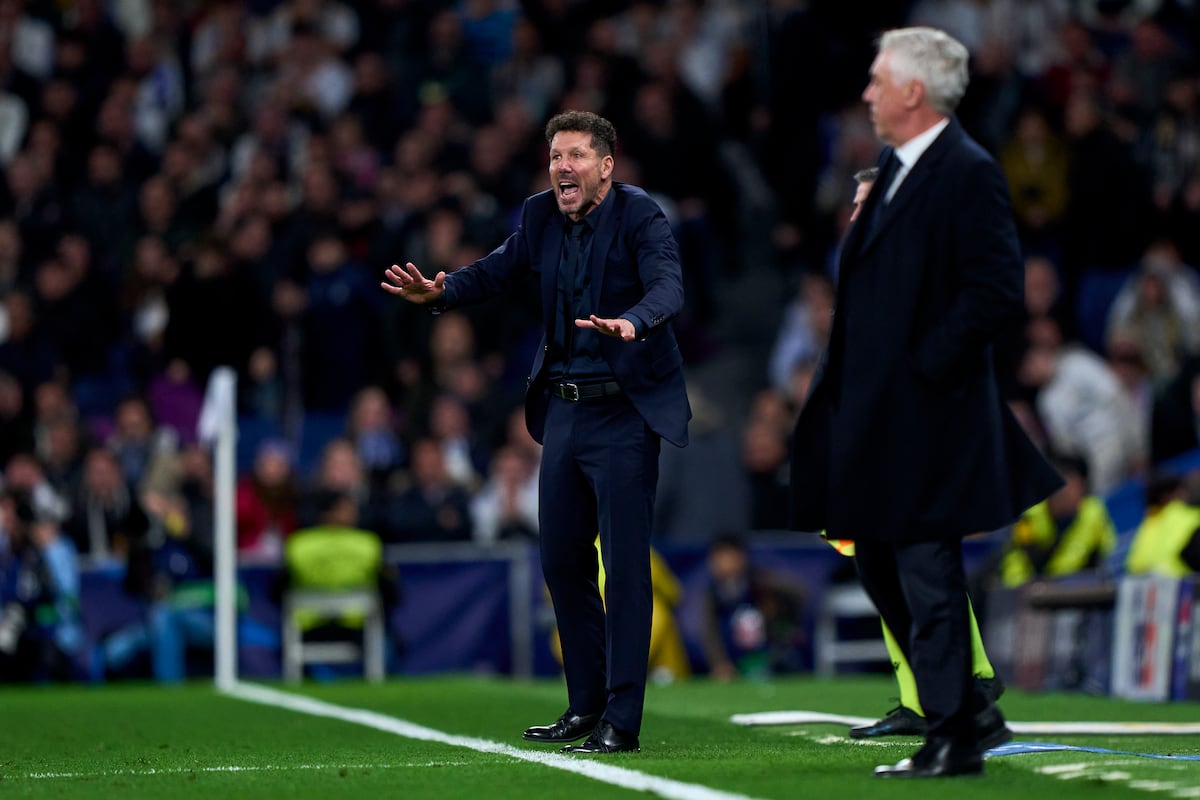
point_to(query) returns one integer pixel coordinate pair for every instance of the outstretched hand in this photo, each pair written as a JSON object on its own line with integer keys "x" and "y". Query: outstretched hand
{"x": 409, "y": 283}
{"x": 620, "y": 328}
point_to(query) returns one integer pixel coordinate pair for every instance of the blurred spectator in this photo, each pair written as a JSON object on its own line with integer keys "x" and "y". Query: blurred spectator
{"x": 342, "y": 471}
{"x": 1158, "y": 309}
{"x": 16, "y": 418}
{"x": 373, "y": 428}
{"x": 148, "y": 453}
{"x": 1142, "y": 70}
{"x": 751, "y": 615}
{"x": 76, "y": 308}
{"x": 372, "y": 101}
{"x": 25, "y": 352}
{"x": 1083, "y": 407}
{"x": 702, "y": 488}
{"x": 1105, "y": 225}
{"x": 1175, "y": 420}
{"x": 434, "y": 508}
{"x": 159, "y": 96}
{"x": 1069, "y": 532}
{"x": 269, "y": 36}
{"x": 1126, "y": 362}
{"x": 765, "y": 461}
{"x": 447, "y": 70}
{"x": 107, "y": 518}
{"x": 464, "y": 455}
{"x": 316, "y": 82}
{"x": 1167, "y": 541}
{"x": 804, "y": 331}
{"x": 102, "y": 207}
{"x": 209, "y": 283}
{"x": 31, "y": 39}
{"x": 341, "y": 327}
{"x": 1035, "y": 162}
{"x": 506, "y": 506}
{"x": 14, "y": 121}
{"x": 41, "y": 634}
{"x": 34, "y": 204}
{"x": 266, "y": 501}
{"x": 170, "y": 571}
{"x": 10, "y": 256}
{"x": 528, "y": 73}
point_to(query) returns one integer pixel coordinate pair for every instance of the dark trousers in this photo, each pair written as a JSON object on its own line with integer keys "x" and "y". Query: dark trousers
{"x": 599, "y": 474}
{"x": 920, "y": 590}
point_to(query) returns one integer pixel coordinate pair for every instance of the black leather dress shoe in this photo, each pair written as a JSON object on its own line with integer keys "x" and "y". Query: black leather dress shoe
{"x": 900, "y": 721}
{"x": 939, "y": 758}
{"x": 606, "y": 739}
{"x": 990, "y": 729}
{"x": 570, "y": 727}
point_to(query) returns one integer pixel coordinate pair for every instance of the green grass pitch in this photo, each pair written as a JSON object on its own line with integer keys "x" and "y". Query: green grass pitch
{"x": 142, "y": 741}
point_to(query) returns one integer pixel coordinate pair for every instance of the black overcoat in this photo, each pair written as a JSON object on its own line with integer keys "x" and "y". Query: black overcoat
{"x": 904, "y": 436}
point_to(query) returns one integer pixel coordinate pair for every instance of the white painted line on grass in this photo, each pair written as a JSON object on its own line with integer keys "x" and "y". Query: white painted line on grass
{"x": 1022, "y": 728}
{"x": 606, "y": 773}
{"x": 137, "y": 773}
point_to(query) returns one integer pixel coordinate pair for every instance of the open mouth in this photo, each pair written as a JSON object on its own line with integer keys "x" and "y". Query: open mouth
{"x": 568, "y": 190}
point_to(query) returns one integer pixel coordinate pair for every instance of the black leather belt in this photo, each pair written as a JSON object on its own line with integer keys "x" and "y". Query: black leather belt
{"x": 575, "y": 392}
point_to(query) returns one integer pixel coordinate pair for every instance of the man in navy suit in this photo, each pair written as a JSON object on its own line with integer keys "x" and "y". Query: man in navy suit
{"x": 605, "y": 388}
{"x": 905, "y": 445}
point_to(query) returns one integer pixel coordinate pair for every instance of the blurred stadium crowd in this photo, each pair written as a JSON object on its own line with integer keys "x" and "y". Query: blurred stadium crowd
{"x": 198, "y": 183}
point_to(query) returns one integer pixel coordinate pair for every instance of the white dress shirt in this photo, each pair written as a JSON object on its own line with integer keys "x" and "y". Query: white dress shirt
{"x": 910, "y": 151}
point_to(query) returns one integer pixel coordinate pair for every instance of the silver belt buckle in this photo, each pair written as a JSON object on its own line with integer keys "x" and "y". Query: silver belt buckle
{"x": 571, "y": 391}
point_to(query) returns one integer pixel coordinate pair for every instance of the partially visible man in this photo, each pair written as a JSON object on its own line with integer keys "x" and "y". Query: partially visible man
{"x": 864, "y": 180}
{"x": 605, "y": 387}
{"x": 905, "y": 444}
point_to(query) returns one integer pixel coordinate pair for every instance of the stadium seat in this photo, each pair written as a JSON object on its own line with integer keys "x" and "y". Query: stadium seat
{"x": 297, "y": 652}
{"x": 842, "y": 607}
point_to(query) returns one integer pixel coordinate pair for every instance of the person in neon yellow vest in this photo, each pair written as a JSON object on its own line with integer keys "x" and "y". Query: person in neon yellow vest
{"x": 908, "y": 718}
{"x": 1069, "y": 532}
{"x": 1167, "y": 542}
{"x": 668, "y": 656}
{"x": 336, "y": 555}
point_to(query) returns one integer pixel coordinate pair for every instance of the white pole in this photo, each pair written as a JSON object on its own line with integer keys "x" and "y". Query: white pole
{"x": 218, "y": 426}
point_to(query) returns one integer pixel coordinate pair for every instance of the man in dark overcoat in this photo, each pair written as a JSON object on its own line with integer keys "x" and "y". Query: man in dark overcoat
{"x": 905, "y": 445}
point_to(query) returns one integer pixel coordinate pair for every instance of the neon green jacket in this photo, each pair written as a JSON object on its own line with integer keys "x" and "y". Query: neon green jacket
{"x": 1160, "y": 539}
{"x": 1039, "y": 549}
{"x": 332, "y": 558}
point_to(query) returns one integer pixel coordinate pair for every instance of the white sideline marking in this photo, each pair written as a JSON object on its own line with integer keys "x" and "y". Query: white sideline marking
{"x": 231, "y": 768}
{"x": 605, "y": 773}
{"x": 112, "y": 773}
{"x": 1026, "y": 728}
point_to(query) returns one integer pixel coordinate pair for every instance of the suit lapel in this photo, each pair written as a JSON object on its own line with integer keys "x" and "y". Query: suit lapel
{"x": 909, "y": 189}
{"x": 552, "y": 245}
{"x": 602, "y": 242}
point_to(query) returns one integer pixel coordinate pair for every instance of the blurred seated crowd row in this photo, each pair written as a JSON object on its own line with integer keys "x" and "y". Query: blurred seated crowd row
{"x": 195, "y": 184}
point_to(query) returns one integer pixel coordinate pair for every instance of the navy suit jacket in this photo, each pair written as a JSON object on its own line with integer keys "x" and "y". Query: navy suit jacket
{"x": 635, "y": 270}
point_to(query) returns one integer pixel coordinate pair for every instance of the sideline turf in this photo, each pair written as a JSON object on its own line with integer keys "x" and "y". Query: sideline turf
{"x": 110, "y": 739}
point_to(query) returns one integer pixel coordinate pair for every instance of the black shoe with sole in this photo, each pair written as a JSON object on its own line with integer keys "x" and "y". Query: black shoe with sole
{"x": 570, "y": 727}
{"x": 606, "y": 739}
{"x": 900, "y": 721}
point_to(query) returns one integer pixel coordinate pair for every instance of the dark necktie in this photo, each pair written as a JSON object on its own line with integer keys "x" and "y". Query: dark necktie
{"x": 879, "y": 191}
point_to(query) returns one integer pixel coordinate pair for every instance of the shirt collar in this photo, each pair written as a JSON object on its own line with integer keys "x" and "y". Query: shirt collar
{"x": 910, "y": 151}
{"x": 591, "y": 220}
